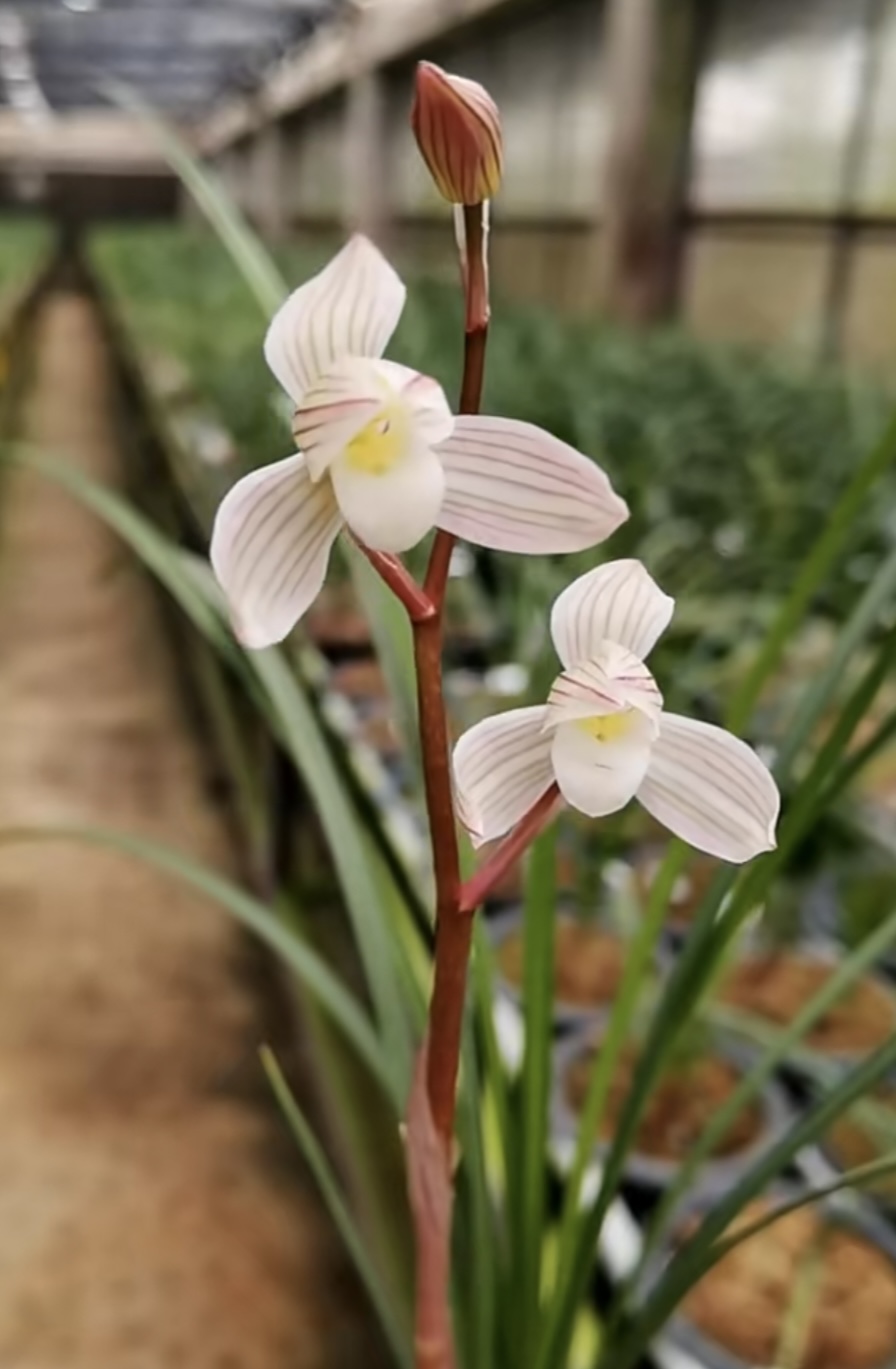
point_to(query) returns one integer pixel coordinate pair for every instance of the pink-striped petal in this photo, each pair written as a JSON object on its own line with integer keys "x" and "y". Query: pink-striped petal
{"x": 501, "y": 767}
{"x": 612, "y": 681}
{"x": 711, "y": 789}
{"x": 355, "y": 392}
{"x": 340, "y": 403}
{"x": 351, "y": 308}
{"x": 513, "y": 487}
{"x": 270, "y": 547}
{"x": 617, "y": 602}
{"x": 430, "y": 411}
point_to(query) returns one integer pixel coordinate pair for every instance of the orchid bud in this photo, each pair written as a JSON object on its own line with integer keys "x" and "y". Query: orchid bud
{"x": 458, "y": 130}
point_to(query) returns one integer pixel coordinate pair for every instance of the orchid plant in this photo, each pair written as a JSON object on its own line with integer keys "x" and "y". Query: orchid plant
{"x": 382, "y": 458}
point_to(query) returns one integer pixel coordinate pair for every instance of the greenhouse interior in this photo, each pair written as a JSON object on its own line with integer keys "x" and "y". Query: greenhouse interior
{"x": 448, "y": 673}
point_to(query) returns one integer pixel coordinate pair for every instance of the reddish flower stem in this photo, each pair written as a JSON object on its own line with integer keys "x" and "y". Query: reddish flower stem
{"x": 434, "y": 1345}
{"x": 435, "y": 1106}
{"x": 402, "y": 584}
{"x": 477, "y": 889}
{"x": 454, "y": 929}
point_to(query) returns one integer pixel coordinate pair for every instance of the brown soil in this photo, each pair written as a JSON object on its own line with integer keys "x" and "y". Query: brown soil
{"x": 850, "y": 1144}
{"x": 680, "y": 1107}
{"x": 150, "y": 1214}
{"x": 743, "y": 1302}
{"x": 777, "y": 985}
{"x": 588, "y": 966}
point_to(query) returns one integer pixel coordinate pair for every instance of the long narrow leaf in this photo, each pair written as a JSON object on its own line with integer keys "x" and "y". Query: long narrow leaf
{"x": 538, "y": 1000}
{"x": 398, "y": 1336}
{"x": 846, "y": 974}
{"x": 821, "y": 559}
{"x": 698, "y": 1254}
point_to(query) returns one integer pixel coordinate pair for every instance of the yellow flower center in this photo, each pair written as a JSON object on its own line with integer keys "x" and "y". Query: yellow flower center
{"x": 380, "y": 443}
{"x": 608, "y": 727}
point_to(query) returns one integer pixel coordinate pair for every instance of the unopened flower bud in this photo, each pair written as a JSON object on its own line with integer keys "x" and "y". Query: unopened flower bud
{"x": 458, "y": 130}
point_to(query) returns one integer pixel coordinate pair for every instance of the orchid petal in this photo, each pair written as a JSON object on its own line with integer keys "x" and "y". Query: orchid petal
{"x": 270, "y": 547}
{"x": 711, "y": 789}
{"x": 599, "y": 774}
{"x": 351, "y": 308}
{"x": 430, "y": 411}
{"x": 355, "y": 392}
{"x": 613, "y": 680}
{"x": 513, "y": 487}
{"x": 619, "y": 602}
{"x": 391, "y": 510}
{"x": 502, "y": 766}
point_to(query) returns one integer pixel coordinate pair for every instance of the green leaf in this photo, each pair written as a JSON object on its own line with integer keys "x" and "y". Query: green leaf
{"x": 699, "y": 1253}
{"x": 836, "y": 535}
{"x": 398, "y": 1336}
{"x": 252, "y": 259}
{"x": 538, "y": 1002}
{"x": 847, "y": 973}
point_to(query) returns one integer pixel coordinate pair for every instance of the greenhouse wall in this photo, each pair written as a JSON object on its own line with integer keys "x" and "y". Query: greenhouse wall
{"x": 792, "y": 195}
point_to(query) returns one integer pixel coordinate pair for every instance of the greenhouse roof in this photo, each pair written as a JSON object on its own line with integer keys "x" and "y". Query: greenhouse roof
{"x": 181, "y": 55}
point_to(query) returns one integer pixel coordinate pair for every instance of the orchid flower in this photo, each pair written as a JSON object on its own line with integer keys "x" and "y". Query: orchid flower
{"x": 381, "y": 452}
{"x": 604, "y": 738}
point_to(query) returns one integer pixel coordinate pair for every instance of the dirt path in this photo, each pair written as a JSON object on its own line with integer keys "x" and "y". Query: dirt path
{"x": 145, "y": 1218}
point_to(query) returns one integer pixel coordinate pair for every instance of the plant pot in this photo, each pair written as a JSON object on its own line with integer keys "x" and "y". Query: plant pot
{"x": 734, "y": 1316}
{"x": 848, "y": 1144}
{"x": 773, "y": 985}
{"x": 589, "y": 961}
{"x": 678, "y": 1112}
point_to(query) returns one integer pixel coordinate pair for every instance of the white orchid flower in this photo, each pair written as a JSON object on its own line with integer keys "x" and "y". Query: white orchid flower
{"x": 381, "y": 452}
{"x": 604, "y": 738}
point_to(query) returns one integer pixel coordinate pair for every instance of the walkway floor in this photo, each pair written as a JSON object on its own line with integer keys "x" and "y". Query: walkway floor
{"x": 147, "y": 1217}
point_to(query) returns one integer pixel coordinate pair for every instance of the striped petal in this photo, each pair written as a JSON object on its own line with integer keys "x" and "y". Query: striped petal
{"x": 600, "y": 763}
{"x": 501, "y": 767}
{"x": 356, "y": 392}
{"x": 350, "y": 309}
{"x": 513, "y": 487}
{"x": 711, "y": 789}
{"x": 391, "y": 509}
{"x": 617, "y": 602}
{"x": 430, "y": 411}
{"x": 612, "y": 681}
{"x": 270, "y": 547}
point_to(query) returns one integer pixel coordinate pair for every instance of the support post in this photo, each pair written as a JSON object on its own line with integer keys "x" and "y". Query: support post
{"x": 268, "y": 182}
{"x": 366, "y": 198}
{"x": 654, "y": 50}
